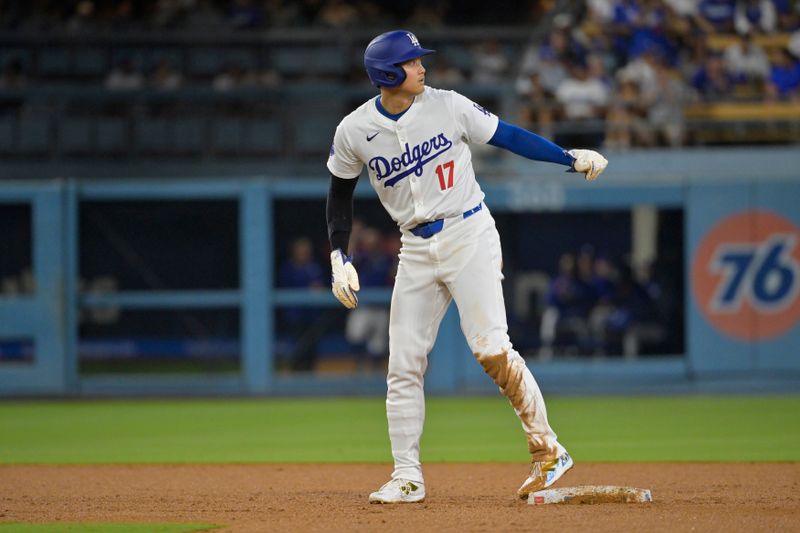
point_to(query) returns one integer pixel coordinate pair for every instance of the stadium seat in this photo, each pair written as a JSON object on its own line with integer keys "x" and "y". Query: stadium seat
{"x": 263, "y": 135}
{"x": 152, "y": 135}
{"x": 74, "y": 134}
{"x": 227, "y": 135}
{"x": 34, "y": 133}
{"x": 188, "y": 134}
{"x": 55, "y": 62}
{"x": 313, "y": 134}
{"x": 207, "y": 62}
{"x": 301, "y": 61}
{"x": 7, "y": 125}
{"x": 111, "y": 135}
{"x": 23, "y": 55}
{"x": 154, "y": 56}
{"x": 90, "y": 62}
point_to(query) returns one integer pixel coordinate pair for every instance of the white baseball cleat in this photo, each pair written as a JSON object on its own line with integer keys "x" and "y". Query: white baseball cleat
{"x": 399, "y": 491}
{"x": 545, "y": 473}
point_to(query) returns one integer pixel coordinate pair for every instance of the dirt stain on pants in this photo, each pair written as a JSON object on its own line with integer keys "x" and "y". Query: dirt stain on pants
{"x": 508, "y": 373}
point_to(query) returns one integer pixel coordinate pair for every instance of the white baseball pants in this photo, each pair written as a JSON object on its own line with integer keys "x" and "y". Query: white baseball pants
{"x": 461, "y": 262}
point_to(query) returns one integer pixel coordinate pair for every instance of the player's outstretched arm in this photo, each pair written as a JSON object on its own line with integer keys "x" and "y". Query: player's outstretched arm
{"x": 339, "y": 214}
{"x": 527, "y": 144}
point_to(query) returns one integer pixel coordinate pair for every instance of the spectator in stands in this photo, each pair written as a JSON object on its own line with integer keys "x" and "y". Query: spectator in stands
{"x": 784, "y": 77}
{"x": 621, "y": 28}
{"x": 124, "y": 77}
{"x": 82, "y": 19}
{"x": 601, "y": 10}
{"x": 368, "y": 325}
{"x": 427, "y": 15}
{"x": 445, "y": 75}
{"x": 203, "y": 16}
{"x": 233, "y": 77}
{"x": 716, "y": 16}
{"x": 603, "y": 286}
{"x": 583, "y": 99}
{"x": 544, "y": 63}
{"x": 632, "y": 307}
{"x": 682, "y": 8}
{"x": 124, "y": 17}
{"x": 568, "y": 305}
{"x": 755, "y": 16}
{"x": 168, "y": 13}
{"x": 626, "y": 121}
{"x": 648, "y": 31}
{"x": 794, "y": 44}
{"x": 489, "y": 63}
{"x": 642, "y": 70}
{"x": 745, "y": 59}
{"x": 244, "y": 15}
{"x": 712, "y": 81}
{"x": 338, "y": 14}
{"x": 788, "y": 14}
{"x": 665, "y": 105}
{"x": 300, "y": 270}
{"x": 13, "y": 75}
{"x": 164, "y": 77}
{"x": 539, "y": 107}
{"x": 267, "y": 75}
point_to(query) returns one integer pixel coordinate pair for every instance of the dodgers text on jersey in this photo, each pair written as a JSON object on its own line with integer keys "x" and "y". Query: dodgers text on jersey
{"x": 411, "y": 160}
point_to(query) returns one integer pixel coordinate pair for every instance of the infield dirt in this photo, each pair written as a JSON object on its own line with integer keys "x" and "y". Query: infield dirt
{"x": 473, "y": 497}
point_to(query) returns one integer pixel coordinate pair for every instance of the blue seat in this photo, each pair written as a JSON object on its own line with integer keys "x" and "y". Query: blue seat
{"x": 55, "y": 62}
{"x": 151, "y": 134}
{"x": 74, "y": 134}
{"x": 90, "y": 62}
{"x": 7, "y": 125}
{"x": 23, "y": 55}
{"x": 304, "y": 60}
{"x": 263, "y": 135}
{"x": 188, "y": 134}
{"x": 154, "y": 56}
{"x": 227, "y": 136}
{"x": 111, "y": 135}
{"x": 313, "y": 132}
{"x": 204, "y": 62}
{"x": 34, "y": 134}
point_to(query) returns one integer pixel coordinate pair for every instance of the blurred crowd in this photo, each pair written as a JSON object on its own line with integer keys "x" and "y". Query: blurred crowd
{"x": 592, "y": 305}
{"x": 620, "y": 72}
{"x": 598, "y": 73}
{"x": 366, "y": 327}
{"x": 596, "y": 306}
{"x": 221, "y": 15}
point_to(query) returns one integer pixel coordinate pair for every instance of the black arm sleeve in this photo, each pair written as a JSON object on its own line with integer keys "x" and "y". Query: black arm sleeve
{"x": 339, "y": 212}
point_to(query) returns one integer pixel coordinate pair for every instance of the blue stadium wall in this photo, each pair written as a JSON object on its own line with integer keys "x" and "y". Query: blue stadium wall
{"x": 741, "y": 244}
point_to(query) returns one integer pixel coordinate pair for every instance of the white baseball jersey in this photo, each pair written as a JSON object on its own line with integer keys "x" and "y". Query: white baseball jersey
{"x": 420, "y": 165}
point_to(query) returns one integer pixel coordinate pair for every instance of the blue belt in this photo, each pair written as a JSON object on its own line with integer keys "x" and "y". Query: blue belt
{"x": 426, "y": 230}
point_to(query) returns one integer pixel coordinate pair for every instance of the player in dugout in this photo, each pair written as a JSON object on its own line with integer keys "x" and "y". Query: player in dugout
{"x": 414, "y": 141}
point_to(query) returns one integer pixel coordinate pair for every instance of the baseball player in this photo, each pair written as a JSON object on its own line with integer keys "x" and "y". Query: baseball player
{"x": 414, "y": 141}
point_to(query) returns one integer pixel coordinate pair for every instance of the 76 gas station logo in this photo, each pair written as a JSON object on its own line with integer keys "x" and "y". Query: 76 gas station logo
{"x": 745, "y": 275}
{"x": 765, "y": 274}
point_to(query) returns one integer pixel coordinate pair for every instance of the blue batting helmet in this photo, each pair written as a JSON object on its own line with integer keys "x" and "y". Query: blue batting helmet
{"x": 386, "y": 52}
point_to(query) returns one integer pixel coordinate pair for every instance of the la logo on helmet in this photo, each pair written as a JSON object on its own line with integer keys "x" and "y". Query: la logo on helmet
{"x": 414, "y": 40}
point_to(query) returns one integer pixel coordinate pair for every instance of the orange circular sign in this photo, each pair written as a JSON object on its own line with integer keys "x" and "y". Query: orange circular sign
{"x": 746, "y": 275}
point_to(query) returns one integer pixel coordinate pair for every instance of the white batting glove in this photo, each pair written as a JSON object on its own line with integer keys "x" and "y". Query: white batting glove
{"x": 589, "y": 163}
{"x": 344, "y": 283}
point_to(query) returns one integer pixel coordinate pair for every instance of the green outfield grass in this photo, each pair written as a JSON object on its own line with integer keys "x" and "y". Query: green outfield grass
{"x": 693, "y": 428}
